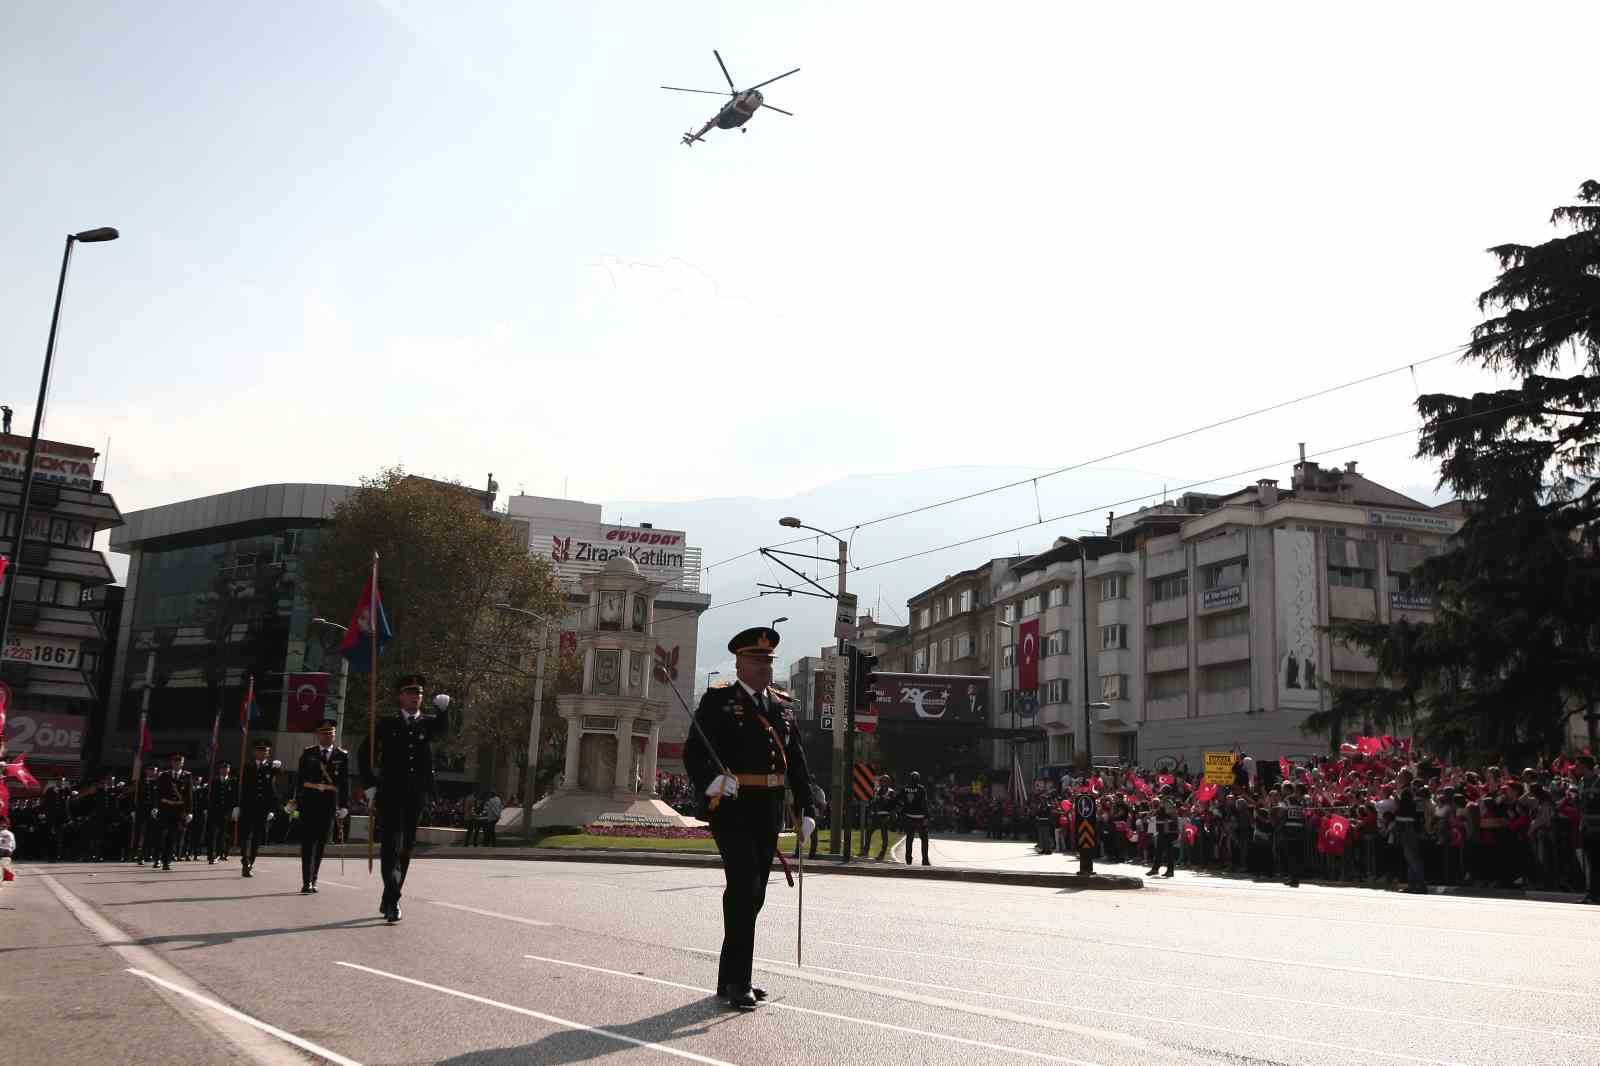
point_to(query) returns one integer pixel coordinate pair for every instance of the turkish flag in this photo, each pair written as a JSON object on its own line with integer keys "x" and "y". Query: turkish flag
{"x": 19, "y": 773}
{"x": 1206, "y": 792}
{"x": 308, "y": 694}
{"x": 1335, "y": 830}
{"x": 1028, "y": 656}
{"x": 1189, "y": 835}
{"x": 1369, "y": 746}
{"x": 1164, "y": 779}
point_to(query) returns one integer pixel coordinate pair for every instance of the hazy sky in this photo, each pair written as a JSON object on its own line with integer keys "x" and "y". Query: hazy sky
{"x": 464, "y": 236}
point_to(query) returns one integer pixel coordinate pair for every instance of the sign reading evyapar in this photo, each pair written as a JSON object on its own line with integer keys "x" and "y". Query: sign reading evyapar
{"x": 577, "y": 547}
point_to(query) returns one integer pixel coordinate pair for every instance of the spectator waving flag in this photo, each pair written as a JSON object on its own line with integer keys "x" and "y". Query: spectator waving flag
{"x": 369, "y": 618}
{"x": 1335, "y": 831}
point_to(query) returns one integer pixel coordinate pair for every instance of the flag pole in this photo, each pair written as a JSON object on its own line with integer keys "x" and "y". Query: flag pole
{"x": 135, "y": 842}
{"x": 372, "y": 708}
{"x": 244, "y": 741}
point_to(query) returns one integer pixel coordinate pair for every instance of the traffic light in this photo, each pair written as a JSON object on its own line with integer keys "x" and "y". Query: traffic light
{"x": 863, "y": 679}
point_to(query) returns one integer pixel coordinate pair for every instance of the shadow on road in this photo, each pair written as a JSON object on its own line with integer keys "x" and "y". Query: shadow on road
{"x": 215, "y": 939}
{"x": 576, "y": 1045}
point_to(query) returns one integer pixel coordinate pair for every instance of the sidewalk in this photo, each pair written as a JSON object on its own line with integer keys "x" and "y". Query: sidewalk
{"x": 971, "y": 860}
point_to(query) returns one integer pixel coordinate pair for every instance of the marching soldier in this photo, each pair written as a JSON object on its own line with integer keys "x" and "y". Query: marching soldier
{"x": 224, "y": 798}
{"x": 174, "y": 808}
{"x": 754, "y": 751}
{"x": 324, "y": 795}
{"x": 400, "y": 781}
{"x": 258, "y": 804}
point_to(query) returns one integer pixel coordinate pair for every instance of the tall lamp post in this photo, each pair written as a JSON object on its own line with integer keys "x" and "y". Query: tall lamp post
{"x": 344, "y": 672}
{"x": 530, "y": 778}
{"x": 841, "y": 700}
{"x": 1083, "y": 626}
{"x": 88, "y": 236}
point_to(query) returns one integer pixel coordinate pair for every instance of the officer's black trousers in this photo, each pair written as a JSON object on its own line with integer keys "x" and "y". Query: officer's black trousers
{"x": 219, "y": 832}
{"x": 874, "y": 827}
{"x": 316, "y": 818}
{"x": 399, "y": 811}
{"x": 1591, "y": 856}
{"x": 1164, "y": 852}
{"x": 1294, "y": 854}
{"x": 916, "y": 827}
{"x": 169, "y": 827}
{"x": 746, "y": 831}
{"x": 252, "y": 834}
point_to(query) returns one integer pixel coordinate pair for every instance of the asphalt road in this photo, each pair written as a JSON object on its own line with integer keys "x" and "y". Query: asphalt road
{"x": 532, "y": 962}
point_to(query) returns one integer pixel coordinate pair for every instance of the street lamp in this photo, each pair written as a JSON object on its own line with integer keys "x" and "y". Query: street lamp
{"x": 344, "y": 671}
{"x": 531, "y": 771}
{"x": 710, "y": 674}
{"x": 1083, "y": 636}
{"x": 88, "y": 236}
{"x": 841, "y": 699}
{"x": 775, "y": 621}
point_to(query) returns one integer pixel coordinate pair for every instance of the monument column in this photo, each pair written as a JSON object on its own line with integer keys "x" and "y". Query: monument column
{"x": 574, "y": 741}
{"x": 624, "y": 754}
{"x": 647, "y": 774}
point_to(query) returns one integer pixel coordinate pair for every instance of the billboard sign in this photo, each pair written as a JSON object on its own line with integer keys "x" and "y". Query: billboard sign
{"x": 56, "y": 737}
{"x": 932, "y": 698}
{"x": 576, "y": 547}
{"x": 71, "y": 465}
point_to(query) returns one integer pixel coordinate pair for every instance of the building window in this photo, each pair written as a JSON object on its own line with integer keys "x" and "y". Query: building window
{"x": 1056, "y": 643}
{"x": 919, "y": 661}
{"x": 964, "y": 646}
{"x": 1172, "y": 587}
{"x": 938, "y": 611}
{"x": 949, "y": 606}
{"x": 1349, "y": 577}
{"x": 1056, "y": 691}
{"x": 1113, "y": 687}
{"x": 1221, "y": 575}
{"x": 946, "y": 648}
{"x": 1008, "y": 655}
{"x": 1167, "y": 685}
{"x": 1061, "y": 747}
{"x": 933, "y": 657}
{"x": 1231, "y": 624}
{"x": 1030, "y": 605}
{"x": 1169, "y": 635}
{"x": 1225, "y": 677}
{"x": 922, "y": 618}
{"x": 1008, "y": 613}
{"x": 1113, "y": 587}
{"x": 1056, "y": 597}
{"x": 1354, "y": 679}
{"x": 1113, "y": 638}
{"x": 983, "y": 642}
{"x": 966, "y": 600}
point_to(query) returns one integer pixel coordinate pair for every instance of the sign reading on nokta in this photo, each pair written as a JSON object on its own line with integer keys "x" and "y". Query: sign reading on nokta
{"x": 60, "y": 464}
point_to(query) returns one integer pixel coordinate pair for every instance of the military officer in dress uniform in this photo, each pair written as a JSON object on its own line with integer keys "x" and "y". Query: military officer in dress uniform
{"x": 1166, "y": 819}
{"x": 258, "y": 804}
{"x": 174, "y": 808}
{"x": 400, "y": 781}
{"x": 224, "y": 798}
{"x": 324, "y": 795}
{"x": 754, "y": 751}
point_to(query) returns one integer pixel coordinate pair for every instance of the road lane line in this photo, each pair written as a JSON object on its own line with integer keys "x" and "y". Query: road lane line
{"x": 1190, "y": 989}
{"x": 252, "y": 1039}
{"x": 787, "y": 968}
{"x": 551, "y": 1018}
{"x": 238, "y": 1015}
{"x": 966, "y": 1041}
{"x": 1294, "y": 964}
{"x": 489, "y": 914}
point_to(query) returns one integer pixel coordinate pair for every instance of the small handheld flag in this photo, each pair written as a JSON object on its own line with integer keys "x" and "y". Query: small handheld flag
{"x": 357, "y": 644}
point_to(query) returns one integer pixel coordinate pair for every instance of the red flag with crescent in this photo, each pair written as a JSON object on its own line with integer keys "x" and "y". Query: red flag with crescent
{"x": 1028, "y": 655}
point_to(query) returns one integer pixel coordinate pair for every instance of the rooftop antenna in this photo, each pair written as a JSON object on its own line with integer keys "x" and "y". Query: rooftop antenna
{"x": 105, "y": 466}
{"x": 1302, "y": 451}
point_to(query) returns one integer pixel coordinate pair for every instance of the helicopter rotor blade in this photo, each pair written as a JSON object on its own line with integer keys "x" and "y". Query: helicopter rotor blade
{"x": 708, "y": 92}
{"x": 779, "y": 110}
{"x": 769, "y": 81}
{"x": 725, "y": 73}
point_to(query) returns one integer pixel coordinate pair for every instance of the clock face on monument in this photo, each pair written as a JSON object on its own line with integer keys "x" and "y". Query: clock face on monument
{"x": 611, "y": 607}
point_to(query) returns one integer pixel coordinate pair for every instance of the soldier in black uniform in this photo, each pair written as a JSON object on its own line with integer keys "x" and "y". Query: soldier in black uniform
{"x": 400, "y": 782}
{"x": 1589, "y": 822}
{"x": 219, "y": 825}
{"x": 258, "y": 804}
{"x": 1166, "y": 819}
{"x": 174, "y": 806}
{"x": 880, "y": 814}
{"x": 758, "y": 744}
{"x": 913, "y": 806}
{"x": 324, "y": 795}
{"x": 1292, "y": 824}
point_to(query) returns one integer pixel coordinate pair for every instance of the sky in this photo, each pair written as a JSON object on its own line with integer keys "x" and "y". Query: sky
{"x": 465, "y": 237}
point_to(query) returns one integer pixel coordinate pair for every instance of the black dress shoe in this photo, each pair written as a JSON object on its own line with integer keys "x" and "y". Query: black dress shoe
{"x": 392, "y": 915}
{"x": 759, "y": 993}
{"x": 166, "y": 867}
{"x": 306, "y": 890}
{"x": 244, "y": 871}
{"x": 744, "y": 1000}
{"x": 313, "y": 888}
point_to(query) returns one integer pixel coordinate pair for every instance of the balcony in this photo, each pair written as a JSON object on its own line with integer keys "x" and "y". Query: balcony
{"x": 34, "y": 553}
{"x": 1167, "y": 709}
{"x": 1346, "y": 602}
{"x": 1172, "y": 657}
{"x": 1173, "y": 610}
{"x": 1119, "y": 717}
{"x": 1223, "y": 650}
{"x": 1228, "y": 701}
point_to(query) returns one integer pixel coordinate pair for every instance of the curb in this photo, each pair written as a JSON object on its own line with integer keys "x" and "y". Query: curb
{"x": 641, "y": 857}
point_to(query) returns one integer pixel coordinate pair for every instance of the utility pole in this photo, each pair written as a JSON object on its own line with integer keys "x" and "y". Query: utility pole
{"x": 841, "y": 726}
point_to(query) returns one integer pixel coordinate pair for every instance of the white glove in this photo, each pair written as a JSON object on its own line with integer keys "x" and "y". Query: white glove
{"x": 277, "y": 764}
{"x": 155, "y": 812}
{"x": 442, "y": 702}
{"x": 807, "y": 826}
{"x": 724, "y": 785}
{"x": 271, "y": 815}
{"x": 342, "y": 813}
{"x": 372, "y": 794}
{"x": 188, "y": 818}
{"x": 234, "y": 817}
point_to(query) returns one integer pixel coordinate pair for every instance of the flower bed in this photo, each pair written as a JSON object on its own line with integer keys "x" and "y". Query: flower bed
{"x": 659, "y": 832}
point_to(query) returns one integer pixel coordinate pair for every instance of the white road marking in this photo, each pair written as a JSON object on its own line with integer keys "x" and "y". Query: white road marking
{"x": 1297, "y": 964}
{"x": 252, "y": 1039}
{"x": 551, "y": 1018}
{"x": 238, "y": 1015}
{"x": 787, "y": 968}
{"x": 1203, "y": 990}
{"x": 773, "y": 1005}
{"x": 489, "y": 914}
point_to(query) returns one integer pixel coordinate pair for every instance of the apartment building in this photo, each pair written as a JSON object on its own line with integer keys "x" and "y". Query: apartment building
{"x": 952, "y": 629}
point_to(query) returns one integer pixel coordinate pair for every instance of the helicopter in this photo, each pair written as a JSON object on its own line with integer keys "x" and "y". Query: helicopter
{"x": 739, "y": 109}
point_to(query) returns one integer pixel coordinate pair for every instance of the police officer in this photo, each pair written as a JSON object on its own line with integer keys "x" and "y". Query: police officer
{"x": 1292, "y": 824}
{"x": 880, "y": 812}
{"x": 324, "y": 773}
{"x": 1589, "y": 822}
{"x": 224, "y": 798}
{"x": 258, "y": 804}
{"x": 1166, "y": 819}
{"x": 399, "y": 781}
{"x": 913, "y": 805}
{"x": 173, "y": 810}
{"x": 754, "y": 750}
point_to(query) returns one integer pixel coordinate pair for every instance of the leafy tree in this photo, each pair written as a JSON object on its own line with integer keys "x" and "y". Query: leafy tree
{"x": 444, "y": 562}
{"x": 1514, "y": 648}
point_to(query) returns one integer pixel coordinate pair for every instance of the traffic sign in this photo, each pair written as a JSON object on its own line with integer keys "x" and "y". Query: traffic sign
{"x": 827, "y": 723}
{"x": 844, "y": 626}
{"x": 865, "y": 780}
{"x": 866, "y": 723}
{"x": 1086, "y": 834}
{"x": 1083, "y": 807}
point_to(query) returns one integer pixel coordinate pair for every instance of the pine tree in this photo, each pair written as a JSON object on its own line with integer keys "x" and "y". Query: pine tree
{"x": 1513, "y": 650}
